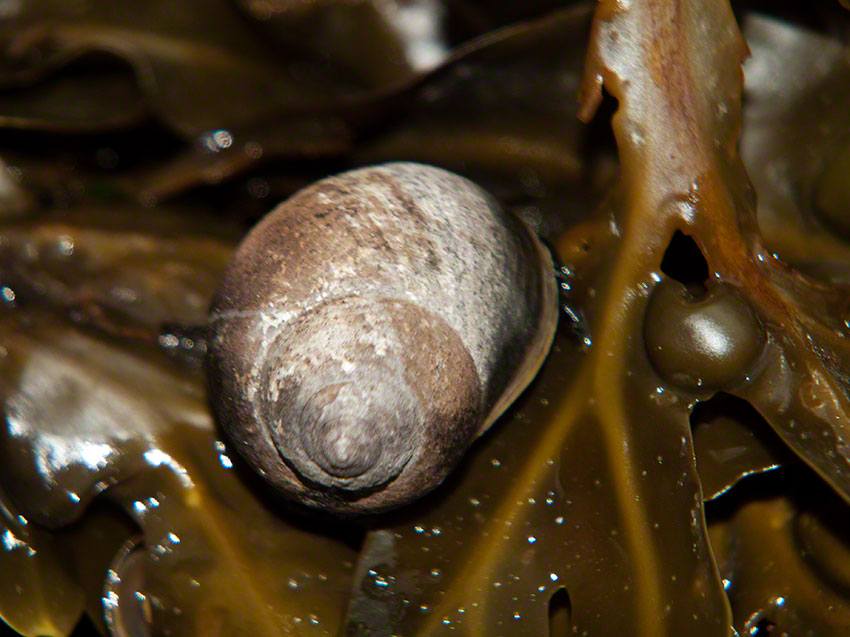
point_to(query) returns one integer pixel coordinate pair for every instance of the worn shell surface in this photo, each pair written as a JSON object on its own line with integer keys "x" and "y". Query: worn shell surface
{"x": 371, "y": 327}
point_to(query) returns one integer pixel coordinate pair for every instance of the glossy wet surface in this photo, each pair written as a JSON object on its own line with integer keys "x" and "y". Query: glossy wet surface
{"x": 680, "y": 465}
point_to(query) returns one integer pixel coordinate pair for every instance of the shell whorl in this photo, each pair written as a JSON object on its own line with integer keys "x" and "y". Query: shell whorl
{"x": 352, "y": 384}
{"x": 370, "y": 327}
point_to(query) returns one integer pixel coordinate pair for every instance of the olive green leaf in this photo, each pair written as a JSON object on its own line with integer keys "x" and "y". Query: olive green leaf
{"x": 93, "y": 420}
{"x": 125, "y": 269}
{"x": 731, "y": 442}
{"x": 84, "y": 100}
{"x": 582, "y": 510}
{"x": 687, "y": 175}
{"x": 98, "y": 412}
{"x": 201, "y": 66}
{"x": 796, "y": 98}
{"x": 502, "y": 104}
{"x": 782, "y": 548}
{"x": 675, "y": 70}
{"x": 378, "y": 43}
{"x": 499, "y": 109}
{"x": 42, "y": 598}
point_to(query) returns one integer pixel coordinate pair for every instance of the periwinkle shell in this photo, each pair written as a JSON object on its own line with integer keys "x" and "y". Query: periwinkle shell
{"x": 370, "y": 327}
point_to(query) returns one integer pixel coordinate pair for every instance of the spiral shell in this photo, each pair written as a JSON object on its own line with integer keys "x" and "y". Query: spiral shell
{"x": 371, "y": 327}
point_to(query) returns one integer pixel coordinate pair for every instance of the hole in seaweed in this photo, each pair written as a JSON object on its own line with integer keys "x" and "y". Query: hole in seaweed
{"x": 731, "y": 441}
{"x": 599, "y": 147}
{"x": 85, "y": 628}
{"x": 560, "y": 612}
{"x": 684, "y": 261}
{"x": 763, "y": 628}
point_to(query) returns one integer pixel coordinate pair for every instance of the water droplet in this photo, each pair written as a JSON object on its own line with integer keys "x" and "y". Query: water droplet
{"x": 222, "y": 138}
{"x": 169, "y": 340}
{"x": 66, "y": 245}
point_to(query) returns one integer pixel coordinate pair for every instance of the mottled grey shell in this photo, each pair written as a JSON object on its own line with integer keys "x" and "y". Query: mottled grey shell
{"x": 371, "y": 327}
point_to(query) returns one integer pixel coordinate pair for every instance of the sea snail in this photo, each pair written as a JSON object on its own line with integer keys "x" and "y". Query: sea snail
{"x": 370, "y": 328}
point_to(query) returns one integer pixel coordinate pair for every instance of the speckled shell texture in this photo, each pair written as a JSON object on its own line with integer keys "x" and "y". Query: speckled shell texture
{"x": 370, "y": 327}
